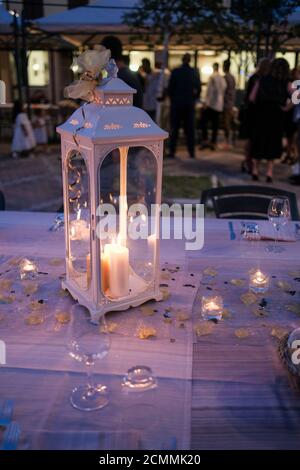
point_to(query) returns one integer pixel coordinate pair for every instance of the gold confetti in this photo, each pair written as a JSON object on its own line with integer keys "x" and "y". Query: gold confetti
{"x": 237, "y": 282}
{"x": 259, "y": 312}
{"x": 34, "y": 319}
{"x": 109, "y": 327}
{"x": 248, "y": 298}
{"x": 210, "y": 272}
{"x": 145, "y": 332}
{"x": 286, "y": 286}
{"x": 5, "y": 284}
{"x": 165, "y": 292}
{"x": 226, "y": 313}
{"x": 62, "y": 317}
{"x": 204, "y": 328}
{"x": 242, "y": 333}
{"x": 278, "y": 332}
{"x": 295, "y": 308}
{"x": 30, "y": 288}
{"x": 147, "y": 311}
{"x": 56, "y": 261}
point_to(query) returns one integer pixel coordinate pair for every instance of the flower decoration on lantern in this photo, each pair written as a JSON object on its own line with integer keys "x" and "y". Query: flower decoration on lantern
{"x": 97, "y": 67}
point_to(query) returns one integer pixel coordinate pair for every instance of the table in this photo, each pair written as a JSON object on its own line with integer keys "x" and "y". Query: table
{"x": 239, "y": 396}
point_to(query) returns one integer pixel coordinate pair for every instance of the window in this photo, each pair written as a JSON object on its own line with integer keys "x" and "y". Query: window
{"x": 38, "y": 68}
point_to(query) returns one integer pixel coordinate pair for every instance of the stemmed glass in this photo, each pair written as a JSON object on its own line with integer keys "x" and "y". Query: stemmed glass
{"x": 88, "y": 342}
{"x": 279, "y": 214}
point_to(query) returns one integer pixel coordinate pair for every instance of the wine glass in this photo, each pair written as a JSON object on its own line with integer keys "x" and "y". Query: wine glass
{"x": 88, "y": 342}
{"x": 279, "y": 214}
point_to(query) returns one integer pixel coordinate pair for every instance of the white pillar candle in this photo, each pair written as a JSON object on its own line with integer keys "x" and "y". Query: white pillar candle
{"x": 118, "y": 270}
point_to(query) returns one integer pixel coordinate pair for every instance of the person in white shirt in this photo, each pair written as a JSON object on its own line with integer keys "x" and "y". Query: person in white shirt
{"x": 213, "y": 107}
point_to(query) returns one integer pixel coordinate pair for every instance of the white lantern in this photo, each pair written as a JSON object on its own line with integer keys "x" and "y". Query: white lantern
{"x": 112, "y": 156}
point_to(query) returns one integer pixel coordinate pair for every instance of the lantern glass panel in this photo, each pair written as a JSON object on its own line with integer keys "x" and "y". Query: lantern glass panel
{"x": 127, "y": 180}
{"x": 78, "y": 220}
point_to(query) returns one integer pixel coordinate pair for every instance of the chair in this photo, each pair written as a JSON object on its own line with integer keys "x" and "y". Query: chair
{"x": 2, "y": 201}
{"x": 249, "y": 202}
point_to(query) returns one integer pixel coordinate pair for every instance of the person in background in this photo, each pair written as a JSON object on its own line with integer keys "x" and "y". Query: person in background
{"x": 184, "y": 89}
{"x": 270, "y": 95}
{"x": 23, "y": 142}
{"x": 229, "y": 101}
{"x": 124, "y": 73}
{"x": 213, "y": 107}
{"x": 40, "y": 128}
{"x": 151, "y": 78}
{"x": 262, "y": 70}
{"x": 290, "y": 127}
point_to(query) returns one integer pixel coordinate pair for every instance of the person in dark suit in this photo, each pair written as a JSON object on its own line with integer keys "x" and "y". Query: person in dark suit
{"x": 184, "y": 89}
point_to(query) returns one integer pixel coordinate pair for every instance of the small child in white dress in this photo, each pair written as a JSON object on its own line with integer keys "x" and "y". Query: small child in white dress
{"x": 23, "y": 139}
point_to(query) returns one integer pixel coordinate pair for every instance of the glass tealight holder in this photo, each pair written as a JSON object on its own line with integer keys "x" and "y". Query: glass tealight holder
{"x": 259, "y": 282}
{"x": 139, "y": 379}
{"x": 28, "y": 269}
{"x": 212, "y": 307}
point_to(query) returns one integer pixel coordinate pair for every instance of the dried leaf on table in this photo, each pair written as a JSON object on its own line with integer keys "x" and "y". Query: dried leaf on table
{"x": 165, "y": 276}
{"x": 165, "y": 292}
{"x": 34, "y": 319}
{"x": 260, "y": 312}
{"x": 110, "y": 327}
{"x": 56, "y": 261}
{"x": 147, "y": 311}
{"x": 295, "y": 308}
{"x": 62, "y": 317}
{"x": 145, "y": 332}
{"x": 294, "y": 273}
{"x": 237, "y": 282}
{"x": 284, "y": 285}
{"x": 6, "y": 299}
{"x": 5, "y": 284}
{"x": 181, "y": 315}
{"x": 278, "y": 332}
{"x": 15, "y": 261}
{"x": 248, "y": 298}
{"x": 30, "y": 287}
{"x": 36, "y": 305}
{"x": 210, "y": 272}
{"x": 242, "y": 333}
{"x": 63, "y": 293}
{"x": 226, "y": 314}
{"x": 204, "y": 328}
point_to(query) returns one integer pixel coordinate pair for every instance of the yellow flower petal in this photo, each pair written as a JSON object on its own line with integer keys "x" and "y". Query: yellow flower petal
{"x": 286, "y": 286}
{"x": 165, "y": 292}
{"x": 278, "y": 332}
{"x": 34, "y": 319}
{"x": 204, "y": 328}
{"x": 145, "y": 332}
{"x": 30, "y": 288}
{"x": 147, "y": 311}
{"x": 62, "y": 317}
{"x": 5, "y": 284}
{"x": 210, "y": 271}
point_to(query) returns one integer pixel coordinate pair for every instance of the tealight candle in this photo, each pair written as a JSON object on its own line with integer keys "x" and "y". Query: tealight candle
{"x": 28, "y": 269}
{"x": 259, "y": 282}
{"x": 79, "y": 230}
{"x": 212, "y": 307}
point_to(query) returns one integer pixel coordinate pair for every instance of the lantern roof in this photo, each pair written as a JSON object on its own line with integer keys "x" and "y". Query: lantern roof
{"x": 111, "y": 117}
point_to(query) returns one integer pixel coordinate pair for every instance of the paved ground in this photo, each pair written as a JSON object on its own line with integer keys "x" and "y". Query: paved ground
{"x": 35, "y": 183}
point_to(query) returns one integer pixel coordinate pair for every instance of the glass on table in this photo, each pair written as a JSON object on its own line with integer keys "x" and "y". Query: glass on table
{"x": 88, "y": 342}
{"x": 279, "y": 214}
{"x": 139, "y": 379}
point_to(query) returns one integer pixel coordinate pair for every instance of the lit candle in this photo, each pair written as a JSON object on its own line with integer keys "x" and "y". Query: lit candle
{"x": 118, "y": 261}
{"x": 28, "y": 269}
{"x": 2, "y": 92}
{"x": 259, "y": 282}
{"x": 105, "y": 268}
{"x": 88, "y": 269}
{"x": 212, "y": 307}
{"x": 79, "y": 229}
{"x": 152, "y": 243}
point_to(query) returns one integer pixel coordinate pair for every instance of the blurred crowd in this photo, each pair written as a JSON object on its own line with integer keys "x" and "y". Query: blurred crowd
{"x": 268, "y": 120}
